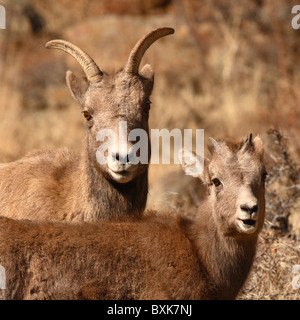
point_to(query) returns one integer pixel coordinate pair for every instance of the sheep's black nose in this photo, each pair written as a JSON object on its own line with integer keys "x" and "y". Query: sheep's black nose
{"x": 249, "y": 209}
{"x": 121, "y": 159}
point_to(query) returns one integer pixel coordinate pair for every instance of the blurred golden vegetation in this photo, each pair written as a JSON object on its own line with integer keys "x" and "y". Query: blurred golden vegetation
{"x": 231, "y": 68}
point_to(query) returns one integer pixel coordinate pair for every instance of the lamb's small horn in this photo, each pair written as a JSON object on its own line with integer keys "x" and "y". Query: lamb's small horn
{"x": 90, "y": 68}
{"x": 247, "y": 144}
{"x": 137, "y": 53}
{"x": 215, "y": 144}
{"x": 249, "y": 139}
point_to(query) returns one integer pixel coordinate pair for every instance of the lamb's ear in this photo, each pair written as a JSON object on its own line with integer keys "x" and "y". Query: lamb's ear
{"x": 77, "y": 86}
{"x": 192, "y": 163}
{"x": 258, "y": 146}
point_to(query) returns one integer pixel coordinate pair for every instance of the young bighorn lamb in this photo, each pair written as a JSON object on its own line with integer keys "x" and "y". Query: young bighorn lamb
{"x": 60, "y": 185}
{"x": 163, "y": 256}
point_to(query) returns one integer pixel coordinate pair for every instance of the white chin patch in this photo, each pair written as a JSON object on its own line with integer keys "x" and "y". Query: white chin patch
{"x": 122, "y": 176}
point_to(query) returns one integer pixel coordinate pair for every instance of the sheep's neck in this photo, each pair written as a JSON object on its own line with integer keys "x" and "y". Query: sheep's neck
{"x": 110, "y": 200}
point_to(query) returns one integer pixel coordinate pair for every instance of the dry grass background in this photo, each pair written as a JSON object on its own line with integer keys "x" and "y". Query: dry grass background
{"x": 231, "y": 68}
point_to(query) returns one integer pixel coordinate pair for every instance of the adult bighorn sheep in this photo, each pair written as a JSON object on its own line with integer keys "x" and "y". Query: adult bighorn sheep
{"x": 61, "y": 185}
{"x": 164, "y": 256}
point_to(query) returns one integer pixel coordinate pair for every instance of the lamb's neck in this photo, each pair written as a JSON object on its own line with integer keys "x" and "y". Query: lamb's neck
{"x": 108, "y": 199}
{"x": 227, "y": 259}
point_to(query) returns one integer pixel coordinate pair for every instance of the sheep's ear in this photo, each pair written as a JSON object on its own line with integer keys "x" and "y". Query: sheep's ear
{"x": 77, "y": 86}
{"x": 147, "y": 72}
{"x": 192, "y": 163}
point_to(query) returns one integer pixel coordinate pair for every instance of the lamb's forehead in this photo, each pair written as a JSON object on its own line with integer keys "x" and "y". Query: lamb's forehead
{"x": 237, "y": 158}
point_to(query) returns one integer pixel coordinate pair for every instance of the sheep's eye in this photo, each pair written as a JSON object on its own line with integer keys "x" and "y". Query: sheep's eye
{"x": 264, "y": 176}
{"x": 216, "y": 182}
{"x": 87, "y": 115}
{"x": 147, "y": 105}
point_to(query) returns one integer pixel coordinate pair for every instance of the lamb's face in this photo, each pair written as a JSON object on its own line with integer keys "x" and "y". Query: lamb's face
{"x": 236, "y": 178}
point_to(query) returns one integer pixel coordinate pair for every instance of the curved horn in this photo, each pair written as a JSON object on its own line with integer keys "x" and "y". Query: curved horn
{"x": 137, "y": 53}
{"x": 90, "y": 68}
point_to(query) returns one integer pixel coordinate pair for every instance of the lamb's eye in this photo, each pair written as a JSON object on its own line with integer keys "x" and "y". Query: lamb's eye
{"x": 216, "y": 182}
{"x": 147, "y": 105}
{"x": 264, "y": 176}
{"x": 87, "y": 115}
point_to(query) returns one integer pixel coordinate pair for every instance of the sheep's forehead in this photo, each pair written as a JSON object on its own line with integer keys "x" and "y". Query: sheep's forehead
{"x": 117, "y": 92}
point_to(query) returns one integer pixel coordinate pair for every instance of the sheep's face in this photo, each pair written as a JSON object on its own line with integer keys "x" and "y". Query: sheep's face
{"x": 117, "y": 112}
{"x": 116, "y": 109}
